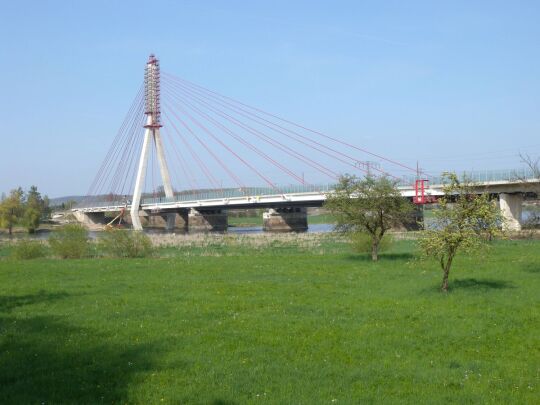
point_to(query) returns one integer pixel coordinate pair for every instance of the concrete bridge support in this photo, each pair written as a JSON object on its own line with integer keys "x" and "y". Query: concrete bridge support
{"x": 91, "y": 220}
{"x": 511, "y": 208}
{"x": 289, "y": 219}
{"x": 416, "y": 219}
{"x": 414, "y": 222}
{"x": 205, "y": 220}
{"x": 170, "y": 221}
{"x": 177, "y": 220}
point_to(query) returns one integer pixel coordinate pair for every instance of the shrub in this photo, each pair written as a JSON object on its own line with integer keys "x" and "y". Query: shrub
{"x": 124, "y": 243}
{"x": 70, "y": 242}
{"x": 361, "y": 242}
{"x": 28, "y": 249}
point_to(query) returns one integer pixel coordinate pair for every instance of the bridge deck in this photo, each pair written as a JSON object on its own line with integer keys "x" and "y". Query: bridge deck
{"x": 307, "y": 196}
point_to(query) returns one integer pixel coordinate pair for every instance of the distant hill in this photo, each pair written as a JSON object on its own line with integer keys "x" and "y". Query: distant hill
{"x": 55, "y": 202}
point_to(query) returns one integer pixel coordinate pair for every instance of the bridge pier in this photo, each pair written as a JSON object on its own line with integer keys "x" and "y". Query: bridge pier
{"x": 414, "y": 222}
{"x": 288, "y": 219}
{"x": 511, "y": 208}
{"x": 91, "y": 220}
{"x": 205, "y": 220}
{"x": 170, "y": 220}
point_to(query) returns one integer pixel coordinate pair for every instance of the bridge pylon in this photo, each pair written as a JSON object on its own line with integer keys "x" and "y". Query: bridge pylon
{"x": 152, "y": 134}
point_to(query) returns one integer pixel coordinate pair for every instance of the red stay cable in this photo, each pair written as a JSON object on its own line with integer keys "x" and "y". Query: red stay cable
{"x": 242, "y": 141}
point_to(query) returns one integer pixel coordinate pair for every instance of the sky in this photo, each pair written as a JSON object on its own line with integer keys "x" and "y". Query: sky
{"x": 451, "y": 85}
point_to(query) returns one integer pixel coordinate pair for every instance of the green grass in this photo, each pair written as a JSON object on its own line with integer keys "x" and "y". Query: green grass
{"x": 272, "y": 326}
{"x": 321, "y": 219}
{"x": 246, "y": 221}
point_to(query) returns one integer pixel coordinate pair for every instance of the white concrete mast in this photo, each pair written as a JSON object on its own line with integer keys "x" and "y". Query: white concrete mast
{"x": 152, "y": 134}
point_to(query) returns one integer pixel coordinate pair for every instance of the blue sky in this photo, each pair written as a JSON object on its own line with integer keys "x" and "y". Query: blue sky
{"x": 454, "y": 85}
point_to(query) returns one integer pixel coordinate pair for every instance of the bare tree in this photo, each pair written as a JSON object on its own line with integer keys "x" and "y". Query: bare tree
{"x": 532, "y": 165}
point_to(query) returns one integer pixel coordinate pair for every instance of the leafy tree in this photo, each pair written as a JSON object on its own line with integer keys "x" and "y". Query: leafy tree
{"x": 464, "y": 221}
{"x": 33, "y": 209}
{"x": 368, "y": 205}
{"x": 11, "y": 209}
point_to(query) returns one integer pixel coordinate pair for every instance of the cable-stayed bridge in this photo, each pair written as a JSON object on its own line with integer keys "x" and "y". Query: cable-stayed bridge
{"x": 189, "y": 154}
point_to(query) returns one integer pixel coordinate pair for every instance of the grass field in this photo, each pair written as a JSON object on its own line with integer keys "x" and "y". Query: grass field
{"x": 278, "y": 325}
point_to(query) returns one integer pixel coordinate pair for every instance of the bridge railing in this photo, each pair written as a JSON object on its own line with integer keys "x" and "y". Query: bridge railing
{"x": 213, "y": 194}
{"x": 238, "y": 193}
{"x": 481, "y": 176}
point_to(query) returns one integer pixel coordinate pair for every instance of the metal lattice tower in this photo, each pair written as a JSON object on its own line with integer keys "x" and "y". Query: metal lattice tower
{"x": 152, "y": 133}
{"x": 152, "y": 92}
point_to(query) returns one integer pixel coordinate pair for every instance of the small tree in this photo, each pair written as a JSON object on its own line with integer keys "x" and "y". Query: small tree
{"x": 34, "y": 207}
{"x": 368, "y": 205}
{"x": 11, "y": 209}
{"x": 463, "y": 221}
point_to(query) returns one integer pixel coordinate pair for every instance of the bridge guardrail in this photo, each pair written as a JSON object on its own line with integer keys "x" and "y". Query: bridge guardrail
{"x": 478, "y": 176}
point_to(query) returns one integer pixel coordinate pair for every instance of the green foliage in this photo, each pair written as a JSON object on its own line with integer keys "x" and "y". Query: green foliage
{"x": 34, "y": 208}
{"x": 464, "y": 221}
{"x": 124, "y": 243}
{"x": 369, "y": 205}
{"x": 11, "y": 209}
{"x": 23, "y": 209}
{"x": 362, "y": 242}
{"x": 70, "y": 242}
{"x": 28, "y": 249}
{"x": 31, "y": 218}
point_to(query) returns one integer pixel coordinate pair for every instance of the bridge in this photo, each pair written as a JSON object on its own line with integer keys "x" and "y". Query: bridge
{"x": 209, "y": 122}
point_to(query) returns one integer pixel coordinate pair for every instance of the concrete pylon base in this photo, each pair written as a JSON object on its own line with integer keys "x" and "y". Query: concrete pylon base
{"x": 159, "y": 220}
{"x": 511, "y": 208}
{"x": 207, "y": 220}
{"x": 289, "y": 219}
{"x": 94, "y": 221}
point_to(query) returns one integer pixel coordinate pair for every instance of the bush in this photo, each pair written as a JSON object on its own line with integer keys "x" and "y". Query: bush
{"x": 124, "y": 243}
{"x": 361, "y": 242}
{"x": 28, "y": 249}
{"x": 70, "y": 242}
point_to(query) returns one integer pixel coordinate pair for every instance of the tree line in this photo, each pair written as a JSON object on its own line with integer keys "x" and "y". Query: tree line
{"x": 25, "y": 209}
